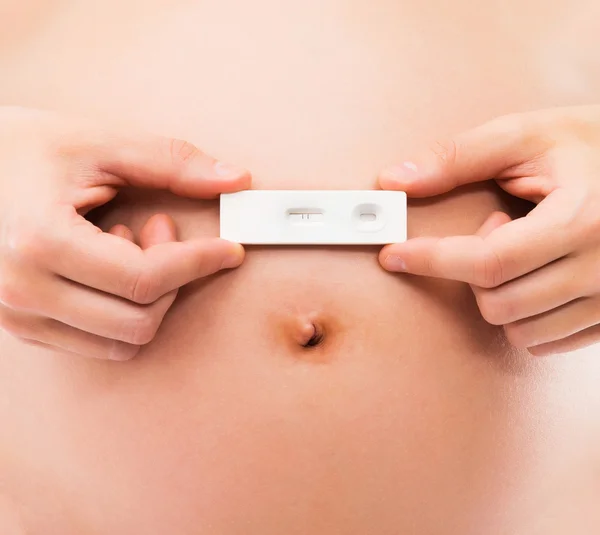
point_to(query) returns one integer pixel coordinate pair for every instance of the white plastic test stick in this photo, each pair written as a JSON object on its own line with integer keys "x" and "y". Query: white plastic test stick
{"x": 288, "y": 217}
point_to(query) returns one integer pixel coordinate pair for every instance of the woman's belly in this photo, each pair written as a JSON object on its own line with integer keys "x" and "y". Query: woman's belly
{"x": 413, "y": 415}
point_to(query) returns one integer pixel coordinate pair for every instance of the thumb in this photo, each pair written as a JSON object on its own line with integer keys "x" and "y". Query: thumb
{"x": 483, "y": 153}
{"x": 494, "y": 221}
{"x": 148, "y": 161}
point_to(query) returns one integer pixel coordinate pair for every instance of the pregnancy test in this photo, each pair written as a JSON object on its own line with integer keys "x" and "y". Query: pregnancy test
{"x": 320, "y": 217}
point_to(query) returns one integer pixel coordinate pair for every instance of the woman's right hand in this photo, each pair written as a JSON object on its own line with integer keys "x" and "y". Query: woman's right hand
{"x": 65, "y": 284}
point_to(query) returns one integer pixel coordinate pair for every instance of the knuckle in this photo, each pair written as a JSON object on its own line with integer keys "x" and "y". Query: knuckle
{"x": 14, "y": 295}
{"x": 511, "y": 122}
{"x": 14, "y": 325}
{"x": 592, "y": 223}
{"x": 143, "y": 288}
{"x": 524, "y": 126}
{"x": 575, "y": 127}
{"x": 534, "y": 131}
{"x": 27, "y": 243}
{"x": 6, "y": 291}
{"x": 445, "y": 151}
{"x": 430, "y": 266}
{"x": 586, "y": 227}
{"x": 142, "y": 328}
{"x": 182, "y": 152}
{"x": 488, "y": 270}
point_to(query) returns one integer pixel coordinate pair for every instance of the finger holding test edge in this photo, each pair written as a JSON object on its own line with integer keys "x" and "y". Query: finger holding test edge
{"x": 107, "y": 263}
{"x": 116, "y": 266}
{"x": 504, "y": 147}
{"x": 82, "y": 321}
{"x": 508, "y": 252}
{"x": 64, "y": 283}
{"x": 176, "y": 165}
{"x": 537, "y": 275}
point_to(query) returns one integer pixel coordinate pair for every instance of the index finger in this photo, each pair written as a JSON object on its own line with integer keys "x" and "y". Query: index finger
{"x": 116, "y": 266}
{"x": 150, "y": 161}
{"x": 510, "y": 251}
{"x": 482, "y": 153}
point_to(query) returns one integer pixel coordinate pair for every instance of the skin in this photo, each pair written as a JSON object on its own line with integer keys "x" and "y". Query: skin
{"x": 70, "y": 287}
{"x": 414, "y": 414}
{"x": 522, "y": 271}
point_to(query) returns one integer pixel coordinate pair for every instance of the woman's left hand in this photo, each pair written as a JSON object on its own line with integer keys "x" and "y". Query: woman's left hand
{"x": 538, "y": 276}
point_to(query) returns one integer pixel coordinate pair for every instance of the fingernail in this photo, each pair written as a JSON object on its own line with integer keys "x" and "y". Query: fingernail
{"x": 394, "y": 263}
{"x": 233, "y": 259}
{"x": 405, "y": 172}
{"x": 226, "y": 170}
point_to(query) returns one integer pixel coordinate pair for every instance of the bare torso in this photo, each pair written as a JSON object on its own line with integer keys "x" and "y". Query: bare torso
{"x": 413, "y": 416}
